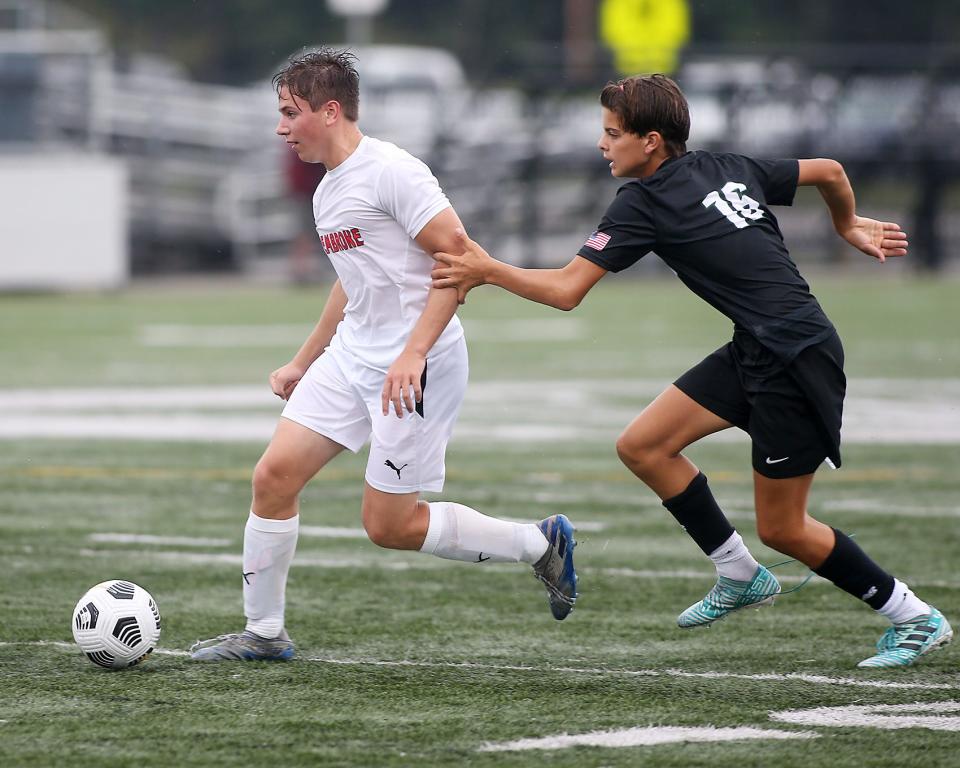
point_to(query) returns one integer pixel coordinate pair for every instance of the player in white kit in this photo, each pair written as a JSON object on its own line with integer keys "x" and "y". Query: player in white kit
{"x": 387, "y": 362}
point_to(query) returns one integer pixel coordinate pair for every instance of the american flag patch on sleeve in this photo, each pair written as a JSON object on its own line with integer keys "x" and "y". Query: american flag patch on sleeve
{"x": 597, "y": 240}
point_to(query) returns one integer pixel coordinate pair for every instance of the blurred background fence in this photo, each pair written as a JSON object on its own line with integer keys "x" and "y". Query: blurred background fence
{"x": 511, "y": 136}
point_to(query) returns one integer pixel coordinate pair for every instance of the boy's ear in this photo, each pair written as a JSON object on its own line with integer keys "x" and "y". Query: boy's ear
{"x": 330, "y": 111}
{"x": 652, "y": 142}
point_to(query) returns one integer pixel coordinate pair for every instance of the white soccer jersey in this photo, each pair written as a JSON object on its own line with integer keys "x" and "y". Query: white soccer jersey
{"x": 368, "y": 210}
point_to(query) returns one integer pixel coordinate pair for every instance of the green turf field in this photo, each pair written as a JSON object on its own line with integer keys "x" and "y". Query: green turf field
{"x": 407, "y": 660}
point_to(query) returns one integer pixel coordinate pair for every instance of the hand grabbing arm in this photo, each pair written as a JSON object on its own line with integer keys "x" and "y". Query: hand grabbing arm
{"x": 472, "y": 266}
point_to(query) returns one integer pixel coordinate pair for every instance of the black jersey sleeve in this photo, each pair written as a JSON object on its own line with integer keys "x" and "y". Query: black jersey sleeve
{"x": 626, "y": 232}
{"x": 778, "y": 179}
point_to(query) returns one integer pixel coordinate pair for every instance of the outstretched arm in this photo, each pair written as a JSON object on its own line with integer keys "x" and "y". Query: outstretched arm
{"x": 472, "y": 266}
{"x": 879, "y": 239}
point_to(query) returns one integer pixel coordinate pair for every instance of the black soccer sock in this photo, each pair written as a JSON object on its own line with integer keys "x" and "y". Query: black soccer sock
{"x": 700, "y": 515}
{"x": 853, "y": 571}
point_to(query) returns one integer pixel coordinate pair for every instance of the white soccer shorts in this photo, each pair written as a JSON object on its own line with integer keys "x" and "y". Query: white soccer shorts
{"x": 340, "y": 397}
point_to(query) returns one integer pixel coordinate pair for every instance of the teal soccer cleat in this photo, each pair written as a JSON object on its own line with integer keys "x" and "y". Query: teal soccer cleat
{"x": 245, "y": 646}
{"x": 555, "y": 569}
{"x": 728, "y": 596}
{"x": 903, "y": 644}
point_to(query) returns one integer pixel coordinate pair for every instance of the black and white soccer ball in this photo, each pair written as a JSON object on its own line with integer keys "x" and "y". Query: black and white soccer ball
{"x": 116, "y": 624}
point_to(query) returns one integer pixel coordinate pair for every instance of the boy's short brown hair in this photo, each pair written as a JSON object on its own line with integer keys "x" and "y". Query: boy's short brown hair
{"x": 321, "y": 76}
{"x": 647, "y": 103}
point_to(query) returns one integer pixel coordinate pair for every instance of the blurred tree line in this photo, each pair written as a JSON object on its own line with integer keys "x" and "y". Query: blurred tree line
{"x": 238, "y": 41}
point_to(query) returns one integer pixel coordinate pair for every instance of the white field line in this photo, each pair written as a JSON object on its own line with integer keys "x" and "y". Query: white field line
{"x": 885, "y": 716}
{"x": 332, "y": 532}
{"x": 182, "y": 427}
{"x": 881, "y": 716}
{"x": 178, "y": 559}
{"x": 382, "y": 561}
{"x": 768, "y": 677}
{"x": 309, "y": 531}
{"x": 284, "y": 335}
{"x": 705, "y": 576}
{"x": 676, "y": 673}
{"x": 136, "y": 399}
{"x": 421, "y": 563}
{"x": 529, "y": 330}
{"x": 584, "y": 526}
{"x": 175, "y": 541}
{"x": 336, "y": 532}
{"x": 207, "y": 558}
{"x": 495, "y": 411}
{"x": 878, "y": 507}
{"x": 73, "y": 647}
{"x": 222, "y": 336}
{"x": 646, "y": 737}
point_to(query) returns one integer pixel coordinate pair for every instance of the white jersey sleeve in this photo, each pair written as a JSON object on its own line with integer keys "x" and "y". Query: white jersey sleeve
{"x": 410, "y": 194}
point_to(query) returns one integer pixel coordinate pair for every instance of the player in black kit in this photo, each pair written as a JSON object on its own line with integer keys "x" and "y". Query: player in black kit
{"x": 708, "y": 216}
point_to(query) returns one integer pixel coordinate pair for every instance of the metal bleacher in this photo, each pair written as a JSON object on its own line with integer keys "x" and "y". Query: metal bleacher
{"x": 62, "y": 91}
{"x": 207, "y": 176}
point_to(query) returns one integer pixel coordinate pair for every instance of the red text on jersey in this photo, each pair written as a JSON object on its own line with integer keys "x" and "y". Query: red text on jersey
{"x": 343, "y": 240}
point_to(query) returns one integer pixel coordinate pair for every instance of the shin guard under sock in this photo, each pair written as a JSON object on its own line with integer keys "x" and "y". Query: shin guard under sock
{"x": 700, "y": 515}
{"x": 854, "y": 572}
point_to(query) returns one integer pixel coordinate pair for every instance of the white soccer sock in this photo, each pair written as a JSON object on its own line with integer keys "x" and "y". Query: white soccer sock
{"x": 457, "y": 532}
{"x": 903, "y": 605}
{"x": 733, "y": 559}
{"x": 268, "y": 547}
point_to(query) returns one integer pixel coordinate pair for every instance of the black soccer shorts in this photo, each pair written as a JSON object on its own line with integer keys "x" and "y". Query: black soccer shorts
{"x": 791, "y": 412}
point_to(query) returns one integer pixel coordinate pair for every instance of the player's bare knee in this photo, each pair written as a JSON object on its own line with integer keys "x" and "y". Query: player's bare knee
{"x": 381, "y": 531}
{"x": 380, "y": 528}
{"x": 391, "y": 526}
{"x": 627, "y": 450}
{"x": 272, "y": 481}
{"x": 639, "y": 456}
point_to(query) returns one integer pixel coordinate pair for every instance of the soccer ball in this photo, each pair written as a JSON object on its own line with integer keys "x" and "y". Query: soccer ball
{"x": 116, "y": 623}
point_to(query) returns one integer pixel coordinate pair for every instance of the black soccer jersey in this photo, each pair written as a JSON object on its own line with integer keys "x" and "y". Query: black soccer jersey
{"x": 707, "y": 215}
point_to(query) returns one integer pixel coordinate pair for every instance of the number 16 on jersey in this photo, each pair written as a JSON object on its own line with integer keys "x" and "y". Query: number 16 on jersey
{"x": 734, "y": 205}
